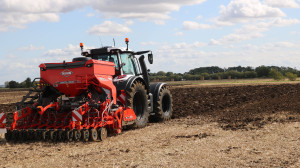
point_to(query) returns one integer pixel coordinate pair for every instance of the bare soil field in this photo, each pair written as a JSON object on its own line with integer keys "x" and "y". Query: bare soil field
{"x": 212, "y": 126}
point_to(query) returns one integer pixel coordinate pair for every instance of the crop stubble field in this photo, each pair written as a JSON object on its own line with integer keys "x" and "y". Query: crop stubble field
{"x": 245, "y": 125}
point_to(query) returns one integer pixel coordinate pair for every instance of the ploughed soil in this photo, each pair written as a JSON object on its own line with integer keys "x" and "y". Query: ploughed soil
{"x": 212, "y": 126}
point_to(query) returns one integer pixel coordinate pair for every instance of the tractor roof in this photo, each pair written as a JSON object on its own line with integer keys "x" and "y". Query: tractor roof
{"x": 109, "y": 49}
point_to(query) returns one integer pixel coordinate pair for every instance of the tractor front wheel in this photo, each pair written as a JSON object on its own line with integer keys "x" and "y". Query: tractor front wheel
{"x": 136, "y": 99}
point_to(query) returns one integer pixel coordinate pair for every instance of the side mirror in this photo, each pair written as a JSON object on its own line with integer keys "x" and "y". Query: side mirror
{"x": 150, "y": 58}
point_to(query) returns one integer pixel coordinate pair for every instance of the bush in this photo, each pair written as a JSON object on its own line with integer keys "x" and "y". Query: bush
{"x": 263, "y": 71}
{"x": 276, "y": 75}
{"x": 291, "y": 76}
{"x": 250, "y": 74}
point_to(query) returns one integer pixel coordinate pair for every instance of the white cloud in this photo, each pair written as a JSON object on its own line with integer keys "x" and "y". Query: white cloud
{"x": 148, "y": 43}
{"x": 109, "y": 28}
{"x": 19, "y": 20}
{"x": 59, "y": 54}
{"x": 284, "y": 22}
{"x": 279, "y": 45}
{"x": 144, "y": 10}
{"x": 281, "y": 3}
{"x": 12, "y": 56}
{"x": 182, "y": 57}
{"x": 19, "y": 70}
{"x": 253, "y": 30}
{"x": 90, "y": 15}
{"x": 129, "y": 22}
{"x": 246, "y": 10}
{"x": 31, "y": 48}
{"x": 178, "y": 34}
{"x": 190, "y": 25}
{"x": 199, "y": 17}
{"x": 18, "y": 13}
{"x": 295, "y": 33}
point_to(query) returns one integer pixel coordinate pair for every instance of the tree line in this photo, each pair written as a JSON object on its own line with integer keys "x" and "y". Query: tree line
{"x": 238, "y": 72}
{"x": 27, "y": 83}
{"x": 206, "y": 73}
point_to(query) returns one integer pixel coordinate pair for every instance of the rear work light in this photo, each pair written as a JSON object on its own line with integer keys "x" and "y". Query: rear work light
{"x": 89, "y": 65}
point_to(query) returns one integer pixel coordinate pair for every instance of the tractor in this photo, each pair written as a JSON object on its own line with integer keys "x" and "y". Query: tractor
{"x": 103, "y": 91}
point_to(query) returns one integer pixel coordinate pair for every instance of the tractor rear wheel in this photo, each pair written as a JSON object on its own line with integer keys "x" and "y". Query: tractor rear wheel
{"x": 163, "y": 106}
{"x": 137, "y": 99}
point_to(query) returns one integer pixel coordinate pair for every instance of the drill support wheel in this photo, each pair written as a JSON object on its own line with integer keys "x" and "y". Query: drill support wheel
{"x": 52, "y": 136}
{"x": 8, "y": 136}
{"x": 62, "y": 135}
{"x": 93, "y": 135}
{"x": 102, "y": 133}
{"x": 45, "y": 135}
{"x": 85, "y": 135}
{"x": 69, "y": 135}
{"x": 77, "y": 135}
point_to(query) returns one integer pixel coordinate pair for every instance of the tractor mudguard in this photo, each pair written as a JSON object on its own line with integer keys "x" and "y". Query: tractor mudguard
{"x": 155, "y": 89}
{"x": 125, "y": 85}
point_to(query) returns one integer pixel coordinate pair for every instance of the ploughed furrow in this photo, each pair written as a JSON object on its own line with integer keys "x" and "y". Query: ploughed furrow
{"x": 236, "y": 107}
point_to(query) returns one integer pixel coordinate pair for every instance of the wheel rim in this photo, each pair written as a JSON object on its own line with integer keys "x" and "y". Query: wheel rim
{"x": 62, "y": 135}
{"x": 69, "y": 135}
{"x": 85, "y": 135}
{"x": 166, "y": 104}
{"x": 77, "y": 135}
{"x": 93, "y": 134}
{"x": 55, "y": 136}
{"x": 102, "y": 133}
{"x": 44, "y": 134}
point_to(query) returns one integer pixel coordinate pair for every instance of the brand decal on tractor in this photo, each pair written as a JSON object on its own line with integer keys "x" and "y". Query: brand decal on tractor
{"x": 66, "y": 73}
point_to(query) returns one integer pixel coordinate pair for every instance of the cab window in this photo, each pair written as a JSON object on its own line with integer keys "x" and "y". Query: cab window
{"x": 129, "y": 67}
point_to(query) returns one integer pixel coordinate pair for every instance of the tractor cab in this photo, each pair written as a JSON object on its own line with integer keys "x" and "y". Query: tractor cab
{"x": 126, "y": 62}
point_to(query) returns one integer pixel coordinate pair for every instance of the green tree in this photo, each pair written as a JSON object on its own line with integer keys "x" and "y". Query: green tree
{"x": 291, "y": 76}
{"x": 161, "y": 73}
{"x": 263, "y": 71}
{"x": 169, "y": 73}
{"x": 250, "y": 74}
{"x": 13, "y": 84}
{"x": 276, "y": 75}
{"x": 28, "y": 83}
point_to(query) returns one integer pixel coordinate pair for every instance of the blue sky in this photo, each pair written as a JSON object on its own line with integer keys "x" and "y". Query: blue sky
{"x": 182, "y": 34}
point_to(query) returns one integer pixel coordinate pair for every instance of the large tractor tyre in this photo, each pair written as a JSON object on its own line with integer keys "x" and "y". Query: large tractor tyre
{"x": 163, "y": 106}
{"x": 137, "y": 98}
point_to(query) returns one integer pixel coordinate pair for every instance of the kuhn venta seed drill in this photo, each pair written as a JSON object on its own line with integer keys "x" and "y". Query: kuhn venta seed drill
{"x": 102, "y": 91}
